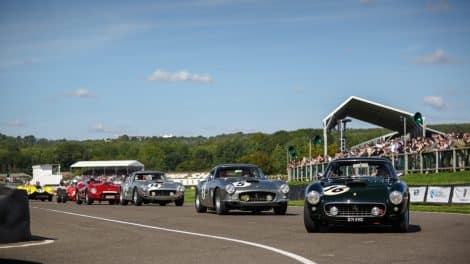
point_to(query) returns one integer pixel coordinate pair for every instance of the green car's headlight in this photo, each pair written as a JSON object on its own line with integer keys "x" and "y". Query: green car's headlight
{"x": 396, "y": 197}
{"x": 313, "y": 197}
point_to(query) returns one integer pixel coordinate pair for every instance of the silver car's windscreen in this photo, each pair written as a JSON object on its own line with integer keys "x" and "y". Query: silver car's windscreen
{"x": 239, "y": 172}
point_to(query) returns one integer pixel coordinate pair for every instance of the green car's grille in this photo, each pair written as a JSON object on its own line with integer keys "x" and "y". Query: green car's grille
{"x": 354, "y": 209}
{"x": 257, "y": 196}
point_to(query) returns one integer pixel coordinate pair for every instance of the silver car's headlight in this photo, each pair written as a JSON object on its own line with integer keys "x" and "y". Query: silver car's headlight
{"x": 230, "y": 188}
{"x": 180, "y": 188}
{"x": 396, "y": 197}
{"x": 313, "y": 197}
{"x": 284, "y": 188}
{"x": 93, "y": 190}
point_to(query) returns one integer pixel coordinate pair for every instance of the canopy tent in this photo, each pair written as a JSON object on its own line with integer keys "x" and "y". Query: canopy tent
{"x": 118, "y": 166}
{"x": 381, "y": 115}
{"x": 107, "y": 163}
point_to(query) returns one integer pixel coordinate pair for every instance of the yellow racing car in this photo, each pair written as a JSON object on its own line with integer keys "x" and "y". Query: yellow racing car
{"x": 38, "y": 192}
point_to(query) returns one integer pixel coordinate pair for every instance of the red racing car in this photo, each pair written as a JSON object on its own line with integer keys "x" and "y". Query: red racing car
{"x": 94, "y": 190}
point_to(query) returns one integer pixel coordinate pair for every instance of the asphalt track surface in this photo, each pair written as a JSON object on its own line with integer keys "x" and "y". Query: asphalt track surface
{"x": 102, "y": 233}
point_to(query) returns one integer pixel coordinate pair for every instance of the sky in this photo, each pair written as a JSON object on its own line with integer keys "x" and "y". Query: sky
{"x": 100, "y": 69}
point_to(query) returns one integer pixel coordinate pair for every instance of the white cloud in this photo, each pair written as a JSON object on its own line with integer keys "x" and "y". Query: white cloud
{"x": 435, "y": 102}
{"x": 82, "y": 93}
{"x": 15, "y": 124}
{"x": 367, "y": 2}
{"x": 98, "y": 128}
{"x": 438, "y": 6}
{"x": 437, "y": 57}
{"x": 181, "y": 76}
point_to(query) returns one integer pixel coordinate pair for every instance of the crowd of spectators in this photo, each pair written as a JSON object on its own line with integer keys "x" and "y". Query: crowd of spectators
{"x": 394, "y": 147}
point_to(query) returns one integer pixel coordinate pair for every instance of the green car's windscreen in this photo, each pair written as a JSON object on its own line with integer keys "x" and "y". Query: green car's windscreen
{"x": 357, "y": 169}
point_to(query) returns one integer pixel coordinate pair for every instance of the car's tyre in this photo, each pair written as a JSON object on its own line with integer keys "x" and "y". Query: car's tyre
{"x": 111, "y": 202}
{"x": 180, "y": 201}
{"x": 198, "y": 205}
{"x": 281, "y": 209}
{"x": 136, "y": 199}
{"x": 220, "y": 208}
{"x": 122, "y": 201}
{"x": 311, "y": 225}
{"x": 77, "y": 198}
{"x": 49, "y": 198}
{"x": 59, "y": 199}
{"x": 403, "y": 224}
{"x": 88, "y": 200}
{"x": 145, "y": 201}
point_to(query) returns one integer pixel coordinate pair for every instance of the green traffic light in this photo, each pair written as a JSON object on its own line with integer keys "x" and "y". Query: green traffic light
{"x": 418, "y": 118}
{"x": 317, "y": 140}
{"x": 292, "y": 151}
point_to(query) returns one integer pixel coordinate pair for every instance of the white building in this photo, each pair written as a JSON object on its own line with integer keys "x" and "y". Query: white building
{"x": 47, "y": 174}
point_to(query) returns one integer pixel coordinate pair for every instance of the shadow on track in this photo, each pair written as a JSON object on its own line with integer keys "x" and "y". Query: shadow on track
{"x": 17, "y": 261}
{"x": 366, "y": 229}
{"x": 245, "y": 213}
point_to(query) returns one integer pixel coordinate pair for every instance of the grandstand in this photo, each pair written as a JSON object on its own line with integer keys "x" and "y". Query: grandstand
{"x": 411, "y": 145}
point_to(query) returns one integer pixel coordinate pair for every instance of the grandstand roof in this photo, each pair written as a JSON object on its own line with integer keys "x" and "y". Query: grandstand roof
{"x": 370, "y": 112}
{"x": 107, "y": 163}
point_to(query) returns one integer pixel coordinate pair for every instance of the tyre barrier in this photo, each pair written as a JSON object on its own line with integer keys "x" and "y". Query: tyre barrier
{"x": 14, "y": 216}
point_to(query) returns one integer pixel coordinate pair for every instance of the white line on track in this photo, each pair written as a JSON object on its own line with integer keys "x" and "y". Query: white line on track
{"x": 269, "y": 248}
{"x": 27, "y": 244}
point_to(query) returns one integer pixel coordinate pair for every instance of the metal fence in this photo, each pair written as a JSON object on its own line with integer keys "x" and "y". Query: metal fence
{"x": 450, "y": 160}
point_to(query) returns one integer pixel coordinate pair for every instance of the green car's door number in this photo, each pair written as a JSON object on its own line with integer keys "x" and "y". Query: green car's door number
{"x": 335, "y": 189}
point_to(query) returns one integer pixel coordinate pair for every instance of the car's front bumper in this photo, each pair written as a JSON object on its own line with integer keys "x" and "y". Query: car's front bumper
{"x": 162, "y": 195}
{"x": 261, "y": 202}
{"x": 392, "y": 214}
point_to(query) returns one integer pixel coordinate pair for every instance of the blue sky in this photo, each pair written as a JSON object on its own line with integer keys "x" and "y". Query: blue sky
{"x": 98, "y": 69}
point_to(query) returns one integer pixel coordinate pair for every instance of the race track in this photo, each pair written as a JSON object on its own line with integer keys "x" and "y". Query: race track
{"x": 156, "y": 234}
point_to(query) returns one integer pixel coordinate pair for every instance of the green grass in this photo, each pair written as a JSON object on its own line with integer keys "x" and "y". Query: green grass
{"x": 189, "y": 194}
{"x": 455, "y": 208}
{"x": 460, "y": 177}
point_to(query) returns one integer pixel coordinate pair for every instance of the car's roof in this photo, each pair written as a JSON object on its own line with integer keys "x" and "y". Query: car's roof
{"x": 225, "y": 165}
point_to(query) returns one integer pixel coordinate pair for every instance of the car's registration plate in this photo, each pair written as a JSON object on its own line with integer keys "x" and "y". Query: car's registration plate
{"x": 355, "y": 219}
{"x": 110, "y": 196}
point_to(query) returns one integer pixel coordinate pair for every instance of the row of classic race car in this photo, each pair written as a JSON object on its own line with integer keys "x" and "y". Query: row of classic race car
{"x": 38, "y": 192}
{"x": 140, "y": 187}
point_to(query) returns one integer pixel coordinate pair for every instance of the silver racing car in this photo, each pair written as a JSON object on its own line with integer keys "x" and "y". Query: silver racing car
{"x": 151, "y": 186}
{"x": 243, "y": 187}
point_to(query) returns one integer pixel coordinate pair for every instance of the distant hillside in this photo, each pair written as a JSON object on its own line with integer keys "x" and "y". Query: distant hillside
{"x": 182, "y": 153}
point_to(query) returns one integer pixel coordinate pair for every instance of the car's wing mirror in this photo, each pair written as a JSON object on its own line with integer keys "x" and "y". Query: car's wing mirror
{"x": 320, "y": 174}
{"x": 399, "y": 174}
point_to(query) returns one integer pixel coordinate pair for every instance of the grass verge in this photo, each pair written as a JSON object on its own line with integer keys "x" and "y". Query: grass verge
{"x": 460, "y": 177}
{"x": 189, "y": 194}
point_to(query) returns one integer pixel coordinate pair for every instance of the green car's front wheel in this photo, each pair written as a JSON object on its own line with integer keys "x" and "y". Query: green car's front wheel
{"x": 311, "y": 225}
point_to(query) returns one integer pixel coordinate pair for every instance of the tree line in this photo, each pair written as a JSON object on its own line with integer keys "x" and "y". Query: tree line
{"x": 181, "y": 154}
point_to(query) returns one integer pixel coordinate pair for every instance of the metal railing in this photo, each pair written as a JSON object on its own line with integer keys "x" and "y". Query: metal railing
{"x": 449, "y": 160}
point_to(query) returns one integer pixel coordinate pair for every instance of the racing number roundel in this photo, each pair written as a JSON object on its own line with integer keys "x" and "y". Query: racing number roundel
{"x": 335, "y": 189}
